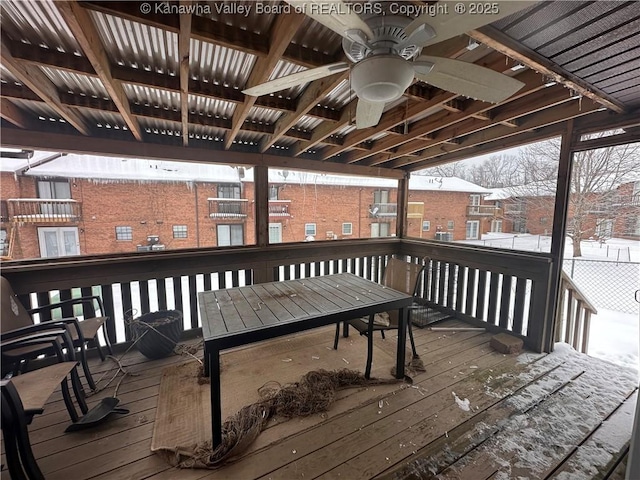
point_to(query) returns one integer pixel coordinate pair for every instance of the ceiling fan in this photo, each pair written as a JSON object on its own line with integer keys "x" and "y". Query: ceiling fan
{"x": 386, "y": 50}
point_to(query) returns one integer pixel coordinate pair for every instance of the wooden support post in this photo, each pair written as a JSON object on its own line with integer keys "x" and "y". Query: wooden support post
{"x": 261, "y": 178}
{"x": 563, "y": 191}
{"x": 403, "y": 199}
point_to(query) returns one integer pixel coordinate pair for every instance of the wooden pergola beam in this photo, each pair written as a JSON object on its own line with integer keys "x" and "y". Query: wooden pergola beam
{"x": 184, "y": 41}
{"x": 40, "y": 84}
{"x": 86, "y": 34}
{"x": 14, "y": 114}
{"x": 282, "y": 31}
{"x": 309, "y": 99}
{"x": 494, "y": 38}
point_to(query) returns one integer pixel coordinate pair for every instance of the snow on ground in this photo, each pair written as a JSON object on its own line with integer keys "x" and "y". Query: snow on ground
{"x": 614, "y": 337}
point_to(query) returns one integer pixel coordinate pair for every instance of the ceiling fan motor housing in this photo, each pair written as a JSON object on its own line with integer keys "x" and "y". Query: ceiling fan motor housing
{"x": 381, "y": 78}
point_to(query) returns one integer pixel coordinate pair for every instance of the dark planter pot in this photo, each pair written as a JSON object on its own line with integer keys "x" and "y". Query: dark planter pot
{"x": 159, "y": 341}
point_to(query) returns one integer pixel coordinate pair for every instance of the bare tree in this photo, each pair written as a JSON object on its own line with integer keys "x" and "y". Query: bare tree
{"x": 595, "y": 204}
{"x": 455, "y": 169}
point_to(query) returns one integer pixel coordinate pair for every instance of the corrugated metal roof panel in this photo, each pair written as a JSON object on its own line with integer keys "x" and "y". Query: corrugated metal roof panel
{"x": 38, "y": 23}
{"x": 345, "y": 130}
{"x": 134, "y": 44}
{"x": 314, "y": 35}
{"x": 220, "y": 64}
{"x": 76, "y": 83}
{"x": 339, "y": 96}
{"x": 211, "y": 106}
{"x": 7, "y": 76}
{"x": 207, "y": 133}
{"x": 284, "y": 68}
{"x": 242, "y": 14}
{"x": 152, "y": 96}
{"x": 286, "y": 141}
{"x": 102, "y": 119}
{"x": 308, "y": 123}
{"x": 264, "y": 115}
{"x": 36, "y": 108}
{"x": 158, "y": 126}
{"x": 248, "y": 138}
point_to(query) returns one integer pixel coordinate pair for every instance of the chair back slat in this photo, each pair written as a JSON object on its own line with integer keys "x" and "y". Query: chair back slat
{"x": 402, "y": 276}
{"x": 12, "y": 312}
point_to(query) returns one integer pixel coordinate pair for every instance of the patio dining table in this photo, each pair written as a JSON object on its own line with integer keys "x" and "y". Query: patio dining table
{"x": 238, "y": 316}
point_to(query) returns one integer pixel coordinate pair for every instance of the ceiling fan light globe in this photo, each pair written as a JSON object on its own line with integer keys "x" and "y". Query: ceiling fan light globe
{"x": 381, "y": 78}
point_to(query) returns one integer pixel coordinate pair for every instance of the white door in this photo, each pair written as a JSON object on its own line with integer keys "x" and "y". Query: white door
{"x": 58, "y": 241}
{"x": 229, "y": 235}
{"x": 472, "y": 229}
{"x": 275, "y": 233}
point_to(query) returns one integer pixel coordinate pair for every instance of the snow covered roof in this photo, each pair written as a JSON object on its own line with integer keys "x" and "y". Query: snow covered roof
{"x": 116, "y": 168}
{"x": 533, "y": 189}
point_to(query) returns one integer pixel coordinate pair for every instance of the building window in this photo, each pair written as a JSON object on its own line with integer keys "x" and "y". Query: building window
{"x": 229, "y": 235}
{"x": 124, "y": 233}
{"x": 309, "y": 229}
{"x": 379, "y": 230}
{"x": 54, "y": 189}
{"x": 347, "y": 228}
{"x": 273, "y": 192}
{"x": 426, "y": 226}
{"x": 381, "y": 196}
{"x": 229, "y": 191}
{"x": 58, "y": 241}
{"x": 179, "y": 231}
{"x": 4, "y": 243}
{"x": 544, "y": 220}
{"x": 450, "y": 225}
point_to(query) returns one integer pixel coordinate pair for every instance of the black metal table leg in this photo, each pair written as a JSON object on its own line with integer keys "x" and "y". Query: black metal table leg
{"x": 402, "y": 340}
{"x": 216, "y": 403}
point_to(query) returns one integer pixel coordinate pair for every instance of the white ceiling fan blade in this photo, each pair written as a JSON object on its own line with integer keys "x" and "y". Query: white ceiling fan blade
{"x": 368, "y": 113}
{"x": 451, "y": 24}
{"x": 466, "y": 79}
{"x": 294, "y": 79}
{"x": 333, "y": 14}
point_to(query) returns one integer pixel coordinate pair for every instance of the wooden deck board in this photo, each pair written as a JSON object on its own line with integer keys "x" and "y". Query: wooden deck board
{"x": 418, "y": 429}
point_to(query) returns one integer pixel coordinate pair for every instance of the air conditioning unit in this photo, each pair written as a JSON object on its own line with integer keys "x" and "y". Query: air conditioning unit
{"x": 143, "y": 248}
{"x": 157, "y": 247}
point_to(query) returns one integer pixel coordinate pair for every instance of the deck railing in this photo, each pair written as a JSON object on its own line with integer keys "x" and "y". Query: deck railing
{"x": 227, "y": 207}
{"x": 502, "y": 291}
{"x": 30, "y": 210}
{"x": 279, "y": 208}
{"x": 573, "y": 317}
{"x": 483, "y": 211}
{"x": 383, "y": 210}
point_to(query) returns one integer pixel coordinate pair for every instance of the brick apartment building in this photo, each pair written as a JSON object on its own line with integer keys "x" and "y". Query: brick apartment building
{"x": 69, "y": 205}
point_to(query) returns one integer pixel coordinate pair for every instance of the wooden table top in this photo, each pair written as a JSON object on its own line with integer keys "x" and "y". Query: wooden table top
{"x": 236, "y": 311}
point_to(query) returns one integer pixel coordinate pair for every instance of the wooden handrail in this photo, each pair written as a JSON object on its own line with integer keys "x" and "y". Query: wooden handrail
{"x": 573, "y": 316}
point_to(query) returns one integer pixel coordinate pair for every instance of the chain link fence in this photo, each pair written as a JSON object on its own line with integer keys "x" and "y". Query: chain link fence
{"x": 607, "y": 284}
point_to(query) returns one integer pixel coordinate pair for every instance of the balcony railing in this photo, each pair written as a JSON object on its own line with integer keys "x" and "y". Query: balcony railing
{"x": 501, "y": 291}
{"x": 279, "y": 208}
{"x": 483, "y": 211}
{"x": 228, "y": 207}
{"x": 378, "y": 210}
{"x": 43, "y": 210}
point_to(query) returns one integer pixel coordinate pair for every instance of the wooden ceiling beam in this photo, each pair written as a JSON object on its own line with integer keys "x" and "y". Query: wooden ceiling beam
{"x": 210, "y": 31}
{"x": 17, "y": 138}
{"x": 184, "y": 41}
{"x": 283, "y": 30}
{"x": 14, "y": 114}
{"x": 39, "y": 83}
{"x": 426, "y": 126}
{"x": 86, "y": 34}
{"x": 571, "y": 109}
{"x": 494, "y": 38}
{"x": 539, "y": 100}
{"x": 317, "y": 90}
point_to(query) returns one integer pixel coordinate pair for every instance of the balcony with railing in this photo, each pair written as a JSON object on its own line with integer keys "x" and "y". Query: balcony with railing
{"x": 483, "y": 211}
{"x": 514, "y": 209}
{"x": 43, "y": 210}
{"x": 380, "y": 210}
{"x": 279, "y": 208}
{"x": 228, "y": 207}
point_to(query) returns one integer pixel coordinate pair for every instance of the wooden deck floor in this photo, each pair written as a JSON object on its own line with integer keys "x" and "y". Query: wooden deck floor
{"x": 475, "y": 414}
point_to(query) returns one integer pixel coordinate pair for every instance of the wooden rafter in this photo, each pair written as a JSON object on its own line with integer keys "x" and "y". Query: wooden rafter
{"x": 12, "y": 113}
{"x": 184, "y": 41}
{"x": 282, "y": 31}
{"x": 86, "y": 34}
{"x": 545, "y": 117}
{"x": 210, "y": 31}
{"x": 309, "y": 99}
{"x": 40, "y": 84}
{"x": 501, "y": 42}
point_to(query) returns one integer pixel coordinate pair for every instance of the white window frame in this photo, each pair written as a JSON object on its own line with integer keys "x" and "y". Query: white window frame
{"x": 426, "y": 225}
{"x": 450, "y": 225}
{"x": 275, "y": 227}
{"x": 477, "y": 228}
{"x": 307, "y": 229}
{"x": 60, "y": 240}
{"x": 180, "y": 229}
{"x": 347, "y": 228}
{"x": 124, "y": 239}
